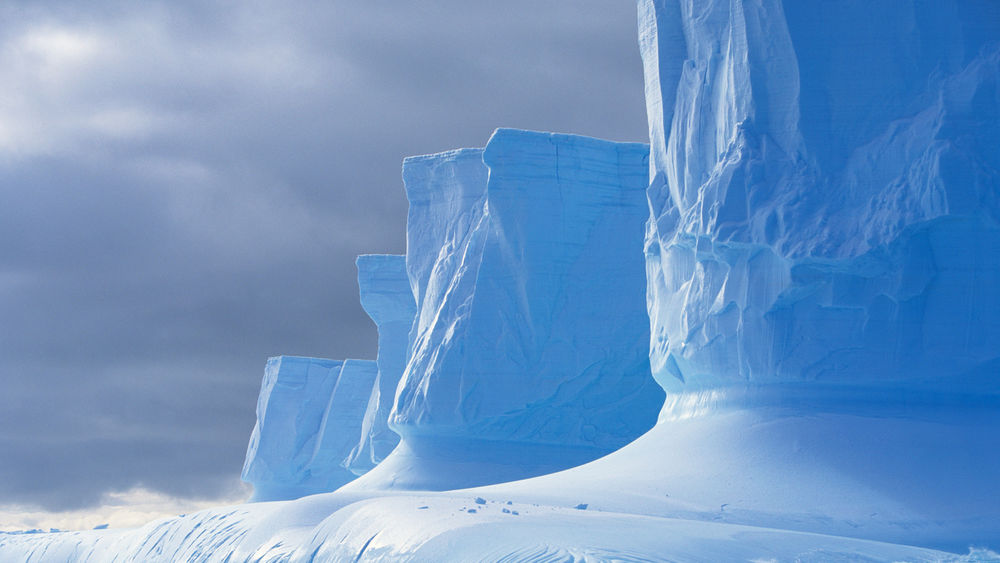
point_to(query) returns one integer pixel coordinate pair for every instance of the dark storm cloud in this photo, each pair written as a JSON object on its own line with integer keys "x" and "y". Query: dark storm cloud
{"x": 184, "y": 187}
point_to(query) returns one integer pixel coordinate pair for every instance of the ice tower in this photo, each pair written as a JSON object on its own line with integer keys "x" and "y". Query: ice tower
{"x": 824, "y": 193}
{"x": 823, "y": 260}
{"x": 388, "y": 300}
{"x": 308, "y": 418}
{"x": 529, "y": 349}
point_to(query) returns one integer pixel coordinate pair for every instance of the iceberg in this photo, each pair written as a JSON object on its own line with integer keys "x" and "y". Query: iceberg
{"x": 529, "y": 350}
{"x": 309, "y": 414}
{"x": 797, "y": 281}
{"x": 824, "y": 193}
{"x": 823, "y": 259}
{"x": 387, "y": 298}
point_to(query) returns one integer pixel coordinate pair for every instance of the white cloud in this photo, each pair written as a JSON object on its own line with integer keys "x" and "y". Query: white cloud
{"x": 123, "y": 509}
{"x": 58, "y": 49}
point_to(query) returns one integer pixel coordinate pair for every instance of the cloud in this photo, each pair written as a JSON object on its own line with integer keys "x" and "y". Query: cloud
{"x": 119, "y": 509}
{"x": 185, "y": 185}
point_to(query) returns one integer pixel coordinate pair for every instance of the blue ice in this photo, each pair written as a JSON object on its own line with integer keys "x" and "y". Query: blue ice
{"x": 309, "y": 416}
{"x": 529, "y": 349}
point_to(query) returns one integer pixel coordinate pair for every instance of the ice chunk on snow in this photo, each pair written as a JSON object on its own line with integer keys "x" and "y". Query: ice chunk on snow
{"x": 308, "y": 418}
{"x": 387, "y": 298}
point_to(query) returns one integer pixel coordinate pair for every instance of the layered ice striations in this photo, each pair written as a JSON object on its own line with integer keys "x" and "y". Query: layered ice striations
{"x": 308, "y": 418}
{"x": 824, "y": 192}
{"x": 293, "y": 396}
{"x": 531, "y": 328}
{"x": 387, "y": 298}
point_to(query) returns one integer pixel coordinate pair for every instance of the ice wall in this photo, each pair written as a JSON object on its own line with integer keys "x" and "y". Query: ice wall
{"x": 531, "y": 328}
{"x": 824, "y": 192}
{"x": 309, "y": 415}
{"x": 387, "y": 298}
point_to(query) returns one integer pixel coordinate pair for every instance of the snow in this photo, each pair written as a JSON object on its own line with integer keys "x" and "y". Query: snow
{"x": 800, "y": 275}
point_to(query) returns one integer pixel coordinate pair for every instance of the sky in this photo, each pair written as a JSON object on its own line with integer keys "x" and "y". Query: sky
{"x": 184, "y": 187}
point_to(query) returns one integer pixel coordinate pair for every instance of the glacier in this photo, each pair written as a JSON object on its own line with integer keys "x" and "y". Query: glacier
{"x": 520, "y": 255}
{"x": 308, "y": 411}
{"x": 817, "y": 204}
{"x": 386, "y": 296}
{"x": 773, "y": 333}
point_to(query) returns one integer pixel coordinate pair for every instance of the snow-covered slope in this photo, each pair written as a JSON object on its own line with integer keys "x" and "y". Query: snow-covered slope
{"x": 458, "y": 526}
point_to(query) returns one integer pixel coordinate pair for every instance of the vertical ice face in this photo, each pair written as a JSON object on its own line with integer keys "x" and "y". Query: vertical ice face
{"x": 293, "y": 398}
{"x": 825, "y": 193}
{"x": 447, "y": 194}
{"x": 343, "y": 419}
{"x": 308, "y": 418}
{"x": 387, "y": 298}
{"x": 531, "y": 327}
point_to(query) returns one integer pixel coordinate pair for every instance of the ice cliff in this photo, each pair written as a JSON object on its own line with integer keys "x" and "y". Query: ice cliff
{"x": 309, "y": 415}
{"x": 387, "y": 298}
{"x": 513, "y": 334}
{"x": 806, "y": 258}
{"x": 322, "y": 422}
{"x": 824, "y": 193}
{"x": 529, "y": 346}
{"x": 823, "y": 261}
